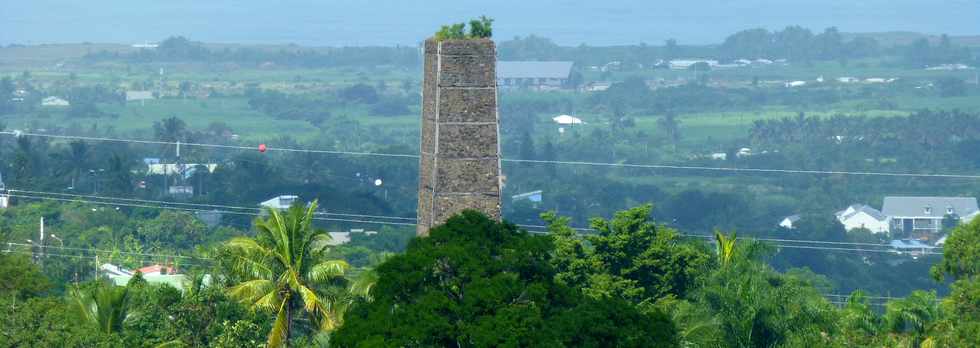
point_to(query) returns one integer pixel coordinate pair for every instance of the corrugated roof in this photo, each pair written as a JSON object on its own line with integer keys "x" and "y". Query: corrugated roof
{"x": 916, "y": 206}
{"x": 536, "y": 70}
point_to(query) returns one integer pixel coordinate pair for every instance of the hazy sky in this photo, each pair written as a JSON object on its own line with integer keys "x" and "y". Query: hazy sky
{"x": 390, "y": 22}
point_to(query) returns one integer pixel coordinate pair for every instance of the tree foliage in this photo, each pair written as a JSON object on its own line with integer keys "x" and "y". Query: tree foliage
{"x": 474, "y": 282}
{"x": 283, "y": 270}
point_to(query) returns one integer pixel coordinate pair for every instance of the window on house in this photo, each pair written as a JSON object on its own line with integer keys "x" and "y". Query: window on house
{"x": 949, "y": 210}
{"x": 928, "y": 210}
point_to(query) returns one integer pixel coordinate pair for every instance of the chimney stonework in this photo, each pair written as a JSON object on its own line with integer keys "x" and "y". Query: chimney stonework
{"x": 459, "y": 166}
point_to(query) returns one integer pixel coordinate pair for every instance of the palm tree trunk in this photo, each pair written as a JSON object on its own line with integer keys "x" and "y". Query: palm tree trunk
{"x": 289, "y": 323}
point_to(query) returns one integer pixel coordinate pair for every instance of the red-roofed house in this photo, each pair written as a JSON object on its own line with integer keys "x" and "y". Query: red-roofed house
{"x": 157, "y": 270}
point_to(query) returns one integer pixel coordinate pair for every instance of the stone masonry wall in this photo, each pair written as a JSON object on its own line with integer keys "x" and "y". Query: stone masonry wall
{"x": 459, "y": 167}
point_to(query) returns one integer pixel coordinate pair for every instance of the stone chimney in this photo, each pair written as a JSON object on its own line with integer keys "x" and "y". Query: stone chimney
{"x": 459, "y": 167}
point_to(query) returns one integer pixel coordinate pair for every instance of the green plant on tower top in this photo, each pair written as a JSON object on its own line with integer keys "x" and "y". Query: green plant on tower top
{"x": 480, "y": 28}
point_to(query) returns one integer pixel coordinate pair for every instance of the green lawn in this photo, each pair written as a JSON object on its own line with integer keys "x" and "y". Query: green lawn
{"x": 198, "y": 114}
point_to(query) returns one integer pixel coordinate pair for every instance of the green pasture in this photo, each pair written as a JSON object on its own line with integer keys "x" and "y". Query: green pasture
{"x": 198, "y": 114}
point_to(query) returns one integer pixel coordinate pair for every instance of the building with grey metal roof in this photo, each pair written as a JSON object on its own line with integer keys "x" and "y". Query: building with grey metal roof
{"x": 926, "y": 214}
{"x": 553, "y": 74}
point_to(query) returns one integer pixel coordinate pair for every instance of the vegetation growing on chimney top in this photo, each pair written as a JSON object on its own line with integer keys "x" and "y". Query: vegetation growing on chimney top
{"x": 479, "y": 29}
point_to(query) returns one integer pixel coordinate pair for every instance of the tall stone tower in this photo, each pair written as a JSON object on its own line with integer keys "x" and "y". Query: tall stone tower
{"x": 459, "y": 167}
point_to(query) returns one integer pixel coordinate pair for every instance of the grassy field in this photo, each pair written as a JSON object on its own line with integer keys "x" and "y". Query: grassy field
{"x": 198, "y": 114}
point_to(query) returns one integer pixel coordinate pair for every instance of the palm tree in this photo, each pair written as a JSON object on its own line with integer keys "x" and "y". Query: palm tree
{"x": 671, "y": 127}
{"x": 725, "y": 247}
{"x": 283, "y": 270}
{"x": 106, "y": 307}
{"x": 72, "y": 162}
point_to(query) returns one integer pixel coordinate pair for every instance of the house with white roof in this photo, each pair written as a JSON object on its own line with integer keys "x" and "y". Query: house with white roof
{"x": 913, "y": 215}
{"x": 280, "y": 202}
{"x": 789, "y": 221}
{"x": 863, "y": 216}
{"x": 54, "y": 101}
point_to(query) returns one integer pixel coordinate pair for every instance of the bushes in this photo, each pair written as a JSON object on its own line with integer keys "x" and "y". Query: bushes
{"x": 480, "y": 28}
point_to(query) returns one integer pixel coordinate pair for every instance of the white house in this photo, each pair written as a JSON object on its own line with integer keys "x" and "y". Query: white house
{"x": 280, "y": 203}
{"x": 54, "y": 101}
{"x": 597, "y": 86}
{"x": 174, "y": 168}
{"x": 138, "y": 95}
{"x": 790, "y": 221}
{"x": 863, "y": 216}
{"x": 925, "y": 214}
{"x": 533, "y": 196}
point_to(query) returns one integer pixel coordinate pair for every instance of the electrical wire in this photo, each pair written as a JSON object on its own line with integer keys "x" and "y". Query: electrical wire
{"x": 220, "y": 146}
{"x": 110, "y": 251}
{"x": 199, "y": 210}
{"x": 776, "y": 240}
{"x": 220, "y": 206}
{"x": 746, "y": 170}
{"x": 91, "y": 257}
{"x": 579, "y": 163}
{"x": 807, "y": 247}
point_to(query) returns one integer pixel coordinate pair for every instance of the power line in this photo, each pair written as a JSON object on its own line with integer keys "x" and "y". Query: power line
{"x": 91, "y": 257}
{"x": 776, "y": 240}
{"x": 579, "y": 163}
{"x": 111, "y": 251}
{"x": 199, "y": 210}
{"x": 220, "y": 206}
{"x": 808, "y": 247}
{"x": 220, "y": 146}
{"x": 747, "y": 170}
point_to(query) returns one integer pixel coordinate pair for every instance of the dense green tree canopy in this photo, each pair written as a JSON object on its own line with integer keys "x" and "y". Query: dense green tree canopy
{"x": 478, "y": 283}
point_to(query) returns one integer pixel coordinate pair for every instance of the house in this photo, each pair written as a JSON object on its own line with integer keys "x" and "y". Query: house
{"x": 280, "y": 202}
{"x": 567, "y": 120}
{"x": 181, "y": 190}
{"x": 685, "y": 64}
{"x": 341, "y": 238}
{"x": 338, "y": 238}
{"x": 155, "y": 274}
{"x": 113, "y": 270}
{"x": 211, "y": 218}
{"x": 743, "y": 152}
{"x": 4, "y": 197}
{"x": 863, "y": 216}
{"x": 910, "y": 246}
{"x": 916, "y": 215}
{"x": 553, "y": 74}
{"x": 176, "y": 168}
{"x": 54, "y": 102}
{"x": 533, "y": 196}
{"x": 139, "y": 96}
{"x": 157, "y": 270}
{"x": 790, "y": 221}
{"x": 597, "y": 86}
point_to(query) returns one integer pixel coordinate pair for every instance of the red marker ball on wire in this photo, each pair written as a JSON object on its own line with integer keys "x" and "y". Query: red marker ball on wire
{"x": 262, "y": 148}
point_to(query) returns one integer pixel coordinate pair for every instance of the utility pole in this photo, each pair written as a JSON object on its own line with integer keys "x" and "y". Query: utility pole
{"x": 41, "y": 232}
